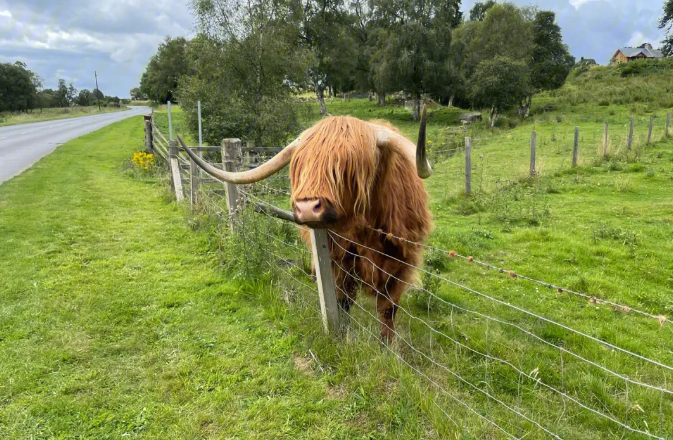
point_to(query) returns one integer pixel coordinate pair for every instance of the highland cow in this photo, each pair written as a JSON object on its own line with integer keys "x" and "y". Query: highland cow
{"x": 357, "y": 178}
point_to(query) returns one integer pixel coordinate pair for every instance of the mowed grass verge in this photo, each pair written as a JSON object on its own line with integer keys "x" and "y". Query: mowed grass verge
{"x": 49, "y": 114}
{"x": 116, "y": 321}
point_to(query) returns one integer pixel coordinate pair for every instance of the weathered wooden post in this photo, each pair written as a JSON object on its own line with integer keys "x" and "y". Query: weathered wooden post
{"x": 175, "y": 169}
{"x": 332, "y": 316}
{"x": 605, "y": 140}
{"x": 576, "y": 146}
{"x": 193, "y": 182}
{"x": 148, "y": 133}
{"x": 533, "y": 142}
{"x": 668, "y": 125}
{"x": 468, "y": 165}
{"x": 630, "y": 142}
{"x": 649, "y": 133}
{"x": 231, "y": 149}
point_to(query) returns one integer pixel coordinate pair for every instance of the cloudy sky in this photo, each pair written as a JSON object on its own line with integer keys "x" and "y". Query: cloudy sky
{"x": 71, "y": 39}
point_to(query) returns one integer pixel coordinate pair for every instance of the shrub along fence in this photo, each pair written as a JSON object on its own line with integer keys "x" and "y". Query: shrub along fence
{"x": 484, "y": 364}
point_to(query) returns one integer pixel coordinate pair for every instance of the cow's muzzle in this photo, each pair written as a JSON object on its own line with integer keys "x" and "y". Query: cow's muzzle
{"x": 315, "y": 213}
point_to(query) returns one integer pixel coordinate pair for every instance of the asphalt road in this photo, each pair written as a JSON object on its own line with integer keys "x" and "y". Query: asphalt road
{"x": 24, "y": 144}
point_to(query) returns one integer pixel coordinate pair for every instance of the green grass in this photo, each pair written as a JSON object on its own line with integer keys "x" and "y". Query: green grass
{"x": 600, "y": 228}
{"x": 125, "y": 315}
{"x": 49, "y": 114}
{"x": 117, "y": 320}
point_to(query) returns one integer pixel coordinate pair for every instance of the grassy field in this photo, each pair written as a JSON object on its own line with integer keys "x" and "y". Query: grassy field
{"x": 125, "y": 315}
{"x": 49, "y": 114}
{"x": 601, "y": 228}
{"x": 116, "y": 319}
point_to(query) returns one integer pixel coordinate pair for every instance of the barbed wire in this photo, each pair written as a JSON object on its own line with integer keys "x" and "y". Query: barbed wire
{"x": 444, "y": 367}
{"x": 620, "y": 376}
{"x": 485, "y": 355}
{"x": 593, "y": 299}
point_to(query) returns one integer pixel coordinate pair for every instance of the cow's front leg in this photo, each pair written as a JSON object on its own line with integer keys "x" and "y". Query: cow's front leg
{"x": 386, "y": 306}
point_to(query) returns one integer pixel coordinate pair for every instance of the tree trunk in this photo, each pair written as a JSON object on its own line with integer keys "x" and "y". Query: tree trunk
{"x": 417, "y": 107}
{"x": 529, "y": 102}
{"x": 491, "y": 117}
{"x": 451, "y": 98}
{"x": 381, "y": 99}
{"x": 320, "y": 93}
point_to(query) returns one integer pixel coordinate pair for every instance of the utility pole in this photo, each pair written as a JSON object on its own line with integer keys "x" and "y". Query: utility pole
{"x": 97, "y": 89}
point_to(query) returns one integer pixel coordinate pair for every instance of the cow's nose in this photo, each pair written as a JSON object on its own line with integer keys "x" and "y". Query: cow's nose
{"x": 309, "y": 210}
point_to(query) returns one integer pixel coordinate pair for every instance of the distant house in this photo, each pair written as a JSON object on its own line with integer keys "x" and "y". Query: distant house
{"x": 626, "y": 54}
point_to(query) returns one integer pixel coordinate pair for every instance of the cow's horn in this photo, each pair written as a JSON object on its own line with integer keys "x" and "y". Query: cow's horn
{"x": 263, "y": 171}
{"x": 423, "y": 167}
{"x": 385, "y": 137}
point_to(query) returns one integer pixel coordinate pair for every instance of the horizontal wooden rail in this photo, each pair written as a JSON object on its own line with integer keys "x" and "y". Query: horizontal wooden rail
{"x": 206, "y": 148}
{"x": 156, "y": 131}
{"x": 159, "y": 149}
{"x": 261, "y": 149}
{"x": 265, "y": 208}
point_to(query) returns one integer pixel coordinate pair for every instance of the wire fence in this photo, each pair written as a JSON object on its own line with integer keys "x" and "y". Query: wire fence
{"x": 498, "y": 161}
{"x": 486, "y": 367}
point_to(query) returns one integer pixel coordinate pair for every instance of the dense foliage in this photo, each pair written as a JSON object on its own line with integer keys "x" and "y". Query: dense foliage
{"x": 251, "y": 58}
{"x": 21, "y": 90}
{"x": 18, "y": 88}
{"x": 160, "y": 80}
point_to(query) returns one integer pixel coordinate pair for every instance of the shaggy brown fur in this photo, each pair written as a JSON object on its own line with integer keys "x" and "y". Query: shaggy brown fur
{"x": 370, "y": 187}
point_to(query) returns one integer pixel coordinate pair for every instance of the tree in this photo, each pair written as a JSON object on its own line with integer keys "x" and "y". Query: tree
{"x": 551, "y": 61}
{"x": 499, "y": 84}
{"x": 18, "y": 91}
{"x": 136, "y": 94}
{"x": 47, "y": 98}
{"x": 246, "y": 63}
{"x": 666, "y": 22}
{"x": 327, "y": 37}
{"x": 71, "y": 94}
{"x": 62, "y": 94}
{"x": 478, "y": 11}
{"x": 84, "y": 98}
{"x": 415, "y": 46}
{"x": 160, "y": 81}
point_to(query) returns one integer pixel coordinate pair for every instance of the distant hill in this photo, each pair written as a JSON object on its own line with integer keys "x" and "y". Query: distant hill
{"x": 648, "y": 82}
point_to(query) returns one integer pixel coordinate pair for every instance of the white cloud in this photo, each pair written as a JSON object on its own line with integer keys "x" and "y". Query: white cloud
{"x": 114, "y": 37}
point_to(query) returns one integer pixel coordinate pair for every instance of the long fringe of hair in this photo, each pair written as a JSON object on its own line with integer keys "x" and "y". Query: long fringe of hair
{"x": 337, "y": 157}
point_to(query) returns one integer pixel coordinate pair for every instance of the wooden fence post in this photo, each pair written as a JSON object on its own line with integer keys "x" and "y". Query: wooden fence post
{"x": 231, "y": 149}
{"x": 668, "y": 125}
{"x": 605, "y": 140}
{"x": 468, "y": 165}
{"x": 331, "y": 314}
{"x": 630, "y": 143}
{"x": 533, "y": 142}
{"x": 649, "y": 133}
{"x": 175, "y": 169}
{"x": 193, "y": 182}
{"x": 576, "y": 146}
{"x": 148, "y": 133}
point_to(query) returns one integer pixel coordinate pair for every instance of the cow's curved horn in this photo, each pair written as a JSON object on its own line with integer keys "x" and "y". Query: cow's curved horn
{"x": 416, "y": 153}
{"x": 263, "y": 171}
